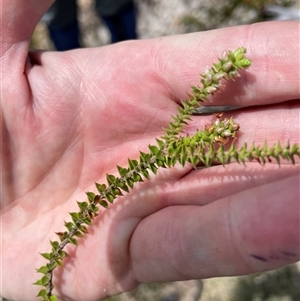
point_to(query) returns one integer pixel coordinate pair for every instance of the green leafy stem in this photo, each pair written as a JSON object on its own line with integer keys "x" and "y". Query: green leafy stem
{"x": 204, "y": 147}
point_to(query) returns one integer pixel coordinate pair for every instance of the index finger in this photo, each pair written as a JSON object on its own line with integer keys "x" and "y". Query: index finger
{"x": 273, "y": 48}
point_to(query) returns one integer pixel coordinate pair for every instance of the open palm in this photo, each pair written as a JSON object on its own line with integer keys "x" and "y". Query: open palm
{"x": 69, "y": 118}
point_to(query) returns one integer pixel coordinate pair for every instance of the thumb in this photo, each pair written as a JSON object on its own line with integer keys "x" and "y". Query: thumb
{"x": 18, "y": 20}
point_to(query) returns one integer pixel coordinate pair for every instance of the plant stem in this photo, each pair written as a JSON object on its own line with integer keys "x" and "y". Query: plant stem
{"x": 205, "y": 147}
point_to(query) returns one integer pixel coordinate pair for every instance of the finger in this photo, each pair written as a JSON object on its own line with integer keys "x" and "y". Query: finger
{"x": 273, "y": 76}
{"x": 211, "y": 184}
{"x": 252, "y": 231}
{"x": 269, "y": 123}
{"x": 18, "y": 20}
{"x": 22, "y": 17}
{"x": 187, "y": 186}
{"x": 174, "y": 63}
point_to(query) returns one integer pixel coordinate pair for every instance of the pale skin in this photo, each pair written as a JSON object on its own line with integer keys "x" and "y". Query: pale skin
{"x": 69, "y": 118}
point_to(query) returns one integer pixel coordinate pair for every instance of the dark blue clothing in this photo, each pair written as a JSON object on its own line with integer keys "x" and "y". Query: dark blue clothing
{"x": 61, "y": 20}
{"x": 65, "y": 38}
{"x": 122, "y": 25}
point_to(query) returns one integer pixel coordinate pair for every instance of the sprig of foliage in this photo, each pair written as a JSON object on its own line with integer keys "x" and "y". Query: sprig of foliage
{"x": 211, "y": 81}
{"x": 204, "y": 147}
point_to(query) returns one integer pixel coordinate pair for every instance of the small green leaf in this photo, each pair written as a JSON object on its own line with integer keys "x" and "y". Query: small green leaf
{"x": 83, "y": 228}
{"x": 196, "y": 89}
{"x": 123, "y": 186}
{"x": 143, "y": 157}
{"x": 137, "y": 178}
{"x": 194, "y": 161}
{"x": 180, "y": 111}
{"x": 94, "y": 208}
{"x": 207, "y": 161}
{"x": 74, "y": 216}
{"x": 43, "y": 269}
{"x": 295, "y": 149}
{"x": 117, "y": 191}
{"x": 160, "y": 157}
{"x": 104, "y": 204}
{"x": 145, "y": 174}
{"x": 100, "y": 187}
{"x": 82, "y": 205}
{"x": 242, "y": 159}
{"x": 47, "y": 255}
{"x": 54, "y": 244}
{"x": 173, "y": 126}
{"x": 187, "y": 141}
{"x": 38, "y": 282}
{"x": 45, "y": 280}
{"x": 110, "y": 179}
{"x": 122, "y": 171}
{"x": 168, "y": 161}
{"x": 69, "y": 225}
{"x": 133, "y": 164}
{"x": 87, "y": 221}
{"x": 51, "y": 267}
{"x": 160, "y": 162}
{"x": 153, "y": 168}
{"x": 78, "y": 234}
{"x": 58, "y": 261}
{"x": 42, "y": 293}
{"x": 160, "y": 143}
{"x": 73, "y": 241}
{"x": 183, "y": 159}
{"x": 110, "y": 197}
{"x": 53, "y": 298}
{"x": 63, "y": 254}
{"x": 130, "y": 182}
{"x": 172, "y": 148}
{"x": 90, "y": 196}
{"x": 154, "y": 149}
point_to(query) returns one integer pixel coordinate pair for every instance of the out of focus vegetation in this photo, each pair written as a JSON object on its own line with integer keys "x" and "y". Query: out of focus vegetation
{"x": 279, "y": 285}
{"x": 222, "y": 13}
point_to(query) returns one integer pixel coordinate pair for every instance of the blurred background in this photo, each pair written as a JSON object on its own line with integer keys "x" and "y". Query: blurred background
{"x": 155, "y": 18}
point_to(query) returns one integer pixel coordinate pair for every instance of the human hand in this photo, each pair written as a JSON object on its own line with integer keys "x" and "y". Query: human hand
{"x": 69, "y": 118}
